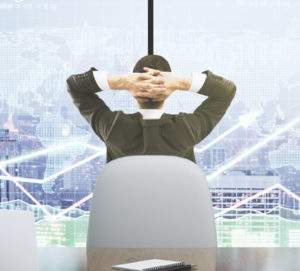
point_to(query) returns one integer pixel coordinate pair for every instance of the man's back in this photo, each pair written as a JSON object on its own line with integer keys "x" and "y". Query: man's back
{"x": 133, "y": 135}
{"x": 130, "y": 134}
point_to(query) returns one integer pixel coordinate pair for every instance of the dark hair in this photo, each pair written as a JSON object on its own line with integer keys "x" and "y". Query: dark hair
{"x": 154, "y": 62}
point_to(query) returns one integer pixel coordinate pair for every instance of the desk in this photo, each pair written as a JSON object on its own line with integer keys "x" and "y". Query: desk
{"x": 207, "y": 259}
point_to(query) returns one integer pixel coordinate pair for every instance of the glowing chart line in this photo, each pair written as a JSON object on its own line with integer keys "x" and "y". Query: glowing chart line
{"x": 28, "y": 194}
{"x": 245, "y": 121}
{"x": 275, "y": 186}
{"x": 254, "y": 148}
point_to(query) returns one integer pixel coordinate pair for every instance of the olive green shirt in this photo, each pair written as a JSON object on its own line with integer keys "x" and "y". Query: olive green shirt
{"x": 130, "y": 134}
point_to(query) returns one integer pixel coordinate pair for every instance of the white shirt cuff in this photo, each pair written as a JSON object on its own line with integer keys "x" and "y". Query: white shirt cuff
{"x": 101, "y": 79}
{"x": 198, "y": 80}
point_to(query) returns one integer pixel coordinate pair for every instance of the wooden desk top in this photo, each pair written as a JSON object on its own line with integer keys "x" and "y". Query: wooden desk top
{"x": 207, "y": 259}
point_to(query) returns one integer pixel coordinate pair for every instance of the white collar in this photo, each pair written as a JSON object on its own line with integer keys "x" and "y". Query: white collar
{"x": 151, "y": 113}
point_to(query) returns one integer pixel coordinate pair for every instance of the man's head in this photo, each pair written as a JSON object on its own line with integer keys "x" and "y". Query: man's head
{"x": 154, "y": 62}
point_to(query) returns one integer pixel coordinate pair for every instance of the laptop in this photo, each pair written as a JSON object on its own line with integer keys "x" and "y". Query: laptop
{"x": 18, "y": 247}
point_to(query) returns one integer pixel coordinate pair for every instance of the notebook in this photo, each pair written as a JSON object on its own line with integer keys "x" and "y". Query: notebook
{"x": 148, "y": 265}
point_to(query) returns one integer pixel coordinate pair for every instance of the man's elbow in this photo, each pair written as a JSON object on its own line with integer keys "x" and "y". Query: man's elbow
{"x": 232, "y": 89}
{"x": 69, "y": 79}
{"x": 70, "y": 83}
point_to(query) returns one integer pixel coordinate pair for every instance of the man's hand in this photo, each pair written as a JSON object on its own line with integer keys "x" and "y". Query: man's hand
{"x": 155, "y": 85}
{"x": 170, "y": 84}
{"x": 144, "y": 82}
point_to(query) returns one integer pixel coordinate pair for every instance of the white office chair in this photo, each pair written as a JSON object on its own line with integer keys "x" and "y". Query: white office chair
{"x": 18, "y": 247}
{"x": 152, "y": 201}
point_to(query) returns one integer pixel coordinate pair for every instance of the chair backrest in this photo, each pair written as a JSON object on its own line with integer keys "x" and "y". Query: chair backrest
{"x": 153, "y": 201}
{"x": 18, "y": 247}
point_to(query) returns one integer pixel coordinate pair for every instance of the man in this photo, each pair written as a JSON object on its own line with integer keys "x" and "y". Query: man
{"x": 150, "y": 131}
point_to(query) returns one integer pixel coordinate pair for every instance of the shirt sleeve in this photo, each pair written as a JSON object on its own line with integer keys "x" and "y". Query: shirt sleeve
{"x": 198, "y": 80}
{"x": 101, "y": 79}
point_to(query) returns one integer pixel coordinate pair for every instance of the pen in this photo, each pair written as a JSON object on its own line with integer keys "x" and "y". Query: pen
{"x": 177, "y": 268}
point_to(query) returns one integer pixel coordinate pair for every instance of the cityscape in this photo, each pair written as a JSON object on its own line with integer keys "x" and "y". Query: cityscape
{"x": 256, "y": 202}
